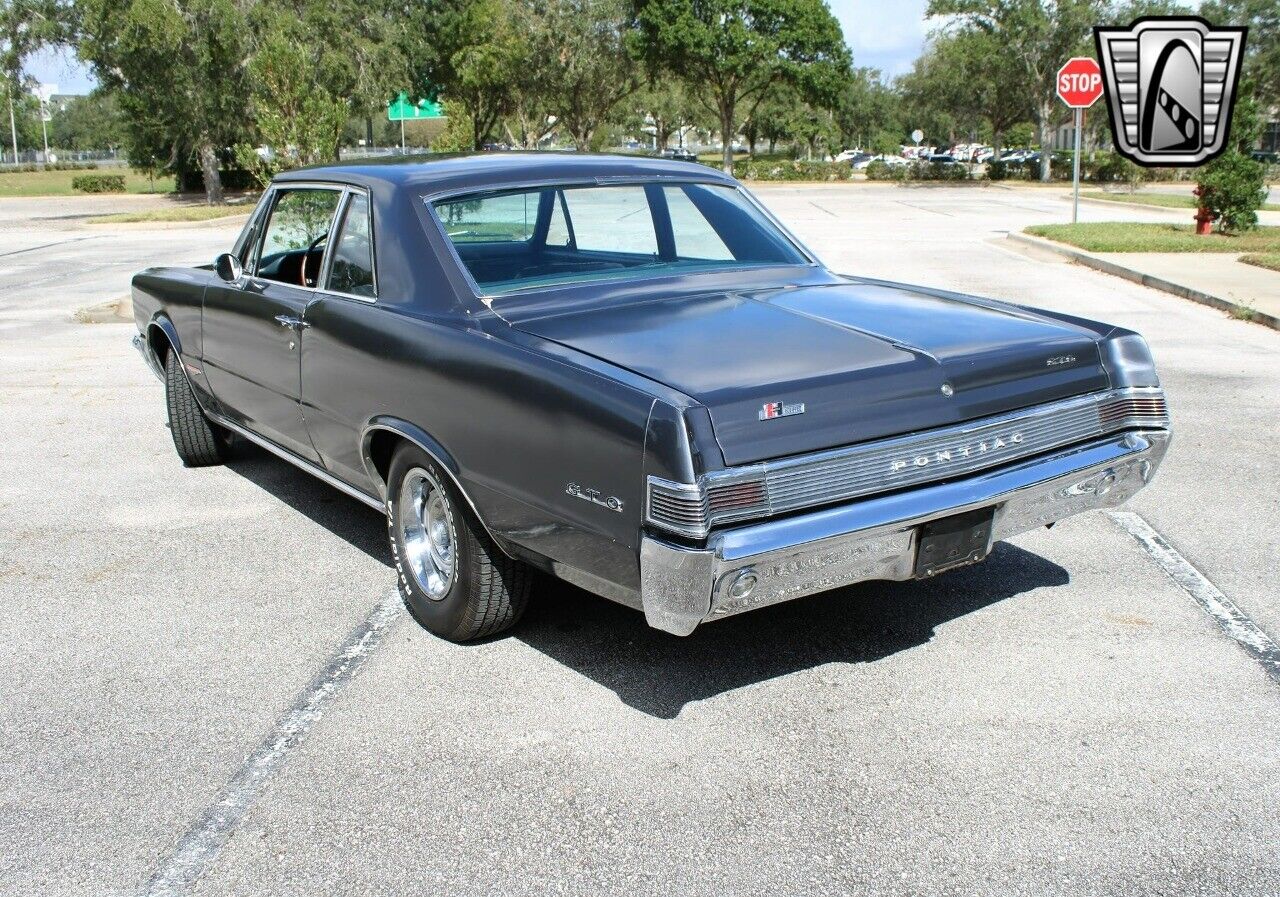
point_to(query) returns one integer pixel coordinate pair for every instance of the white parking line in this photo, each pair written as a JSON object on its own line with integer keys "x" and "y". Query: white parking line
{"x": 1222, "y": 609}
{"x": 202, "y": 842}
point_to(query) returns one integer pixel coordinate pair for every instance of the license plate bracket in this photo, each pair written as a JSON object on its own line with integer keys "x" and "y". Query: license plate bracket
{"x": 953, "y": 541}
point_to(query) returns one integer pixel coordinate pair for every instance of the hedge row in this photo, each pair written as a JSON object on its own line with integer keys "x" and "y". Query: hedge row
{"x": 792, "y": 170}
{"x": 98, "y": 183}
{"x": 53, "y": 166}
{"x": 917, "y": 171}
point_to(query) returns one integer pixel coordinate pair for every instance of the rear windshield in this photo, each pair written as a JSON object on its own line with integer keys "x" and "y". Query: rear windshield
{"x": 523, "y": 239}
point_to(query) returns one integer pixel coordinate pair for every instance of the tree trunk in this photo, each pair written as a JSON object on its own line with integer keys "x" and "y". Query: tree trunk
{"x": 1042, "y": 133}
{"x": 726, "y": 135}
{"x": 368, "y": 133}
{"x": 212, "y": 177}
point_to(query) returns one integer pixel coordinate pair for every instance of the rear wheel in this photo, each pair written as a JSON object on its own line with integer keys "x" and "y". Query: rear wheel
{"x": 455, "y": 581}
{"x": 199, "y": 441}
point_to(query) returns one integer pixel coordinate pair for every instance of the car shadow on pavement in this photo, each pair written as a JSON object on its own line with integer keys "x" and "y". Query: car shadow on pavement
{"x": 348, "y": 519}
{"x": 659, "y": 674}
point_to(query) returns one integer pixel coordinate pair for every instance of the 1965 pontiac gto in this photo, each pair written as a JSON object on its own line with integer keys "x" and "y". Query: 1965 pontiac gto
{"x": 626, "y": 373}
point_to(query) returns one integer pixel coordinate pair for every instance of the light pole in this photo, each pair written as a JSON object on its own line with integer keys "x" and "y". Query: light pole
{"x": 13, "y": 125}
{"x": 44, "y": 93}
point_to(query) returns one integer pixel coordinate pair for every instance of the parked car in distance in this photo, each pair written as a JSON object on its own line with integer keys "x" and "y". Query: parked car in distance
{"x": 885, "y": 158}
{"x": 624, "y": 372}
{"x": 679, "y": 154}
{"x": 859, "y": 160}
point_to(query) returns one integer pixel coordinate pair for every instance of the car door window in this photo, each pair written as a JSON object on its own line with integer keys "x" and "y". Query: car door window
{"x": 351, "y": 270}
{"x": 294, "y": 239}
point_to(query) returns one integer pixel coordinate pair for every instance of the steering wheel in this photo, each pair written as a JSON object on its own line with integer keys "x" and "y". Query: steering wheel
{"x": 302, "y": 270}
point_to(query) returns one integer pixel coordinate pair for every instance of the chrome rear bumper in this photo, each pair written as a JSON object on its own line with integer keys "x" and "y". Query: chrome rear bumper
{"x": 875, "y": 538}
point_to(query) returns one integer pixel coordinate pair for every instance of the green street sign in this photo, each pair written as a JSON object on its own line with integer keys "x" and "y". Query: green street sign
{"x": 400, "y": 109}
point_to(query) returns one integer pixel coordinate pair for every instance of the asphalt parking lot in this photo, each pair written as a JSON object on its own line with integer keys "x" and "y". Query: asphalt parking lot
{"x": 209, "y": 688}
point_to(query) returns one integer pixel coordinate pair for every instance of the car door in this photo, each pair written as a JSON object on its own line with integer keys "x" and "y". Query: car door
{"x": 253, "y": 327}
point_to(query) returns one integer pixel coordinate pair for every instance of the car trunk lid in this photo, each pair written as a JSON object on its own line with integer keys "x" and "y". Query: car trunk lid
{"x": 787, "y": 371}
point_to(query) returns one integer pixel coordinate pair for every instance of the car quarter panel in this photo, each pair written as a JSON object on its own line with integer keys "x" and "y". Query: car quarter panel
{"x": 532, "y": 437}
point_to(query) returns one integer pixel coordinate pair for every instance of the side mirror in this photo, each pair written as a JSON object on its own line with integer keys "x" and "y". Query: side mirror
{"x": 228, "y": 267}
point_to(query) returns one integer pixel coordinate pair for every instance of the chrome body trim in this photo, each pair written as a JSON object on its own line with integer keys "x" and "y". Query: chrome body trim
{"x": 434, "y": 456}
{"x": 430, "y": 199}
{"x": 302, "y": 464}
{"x": 772, "y": 488}
{"x": 876, "y": 538}
{"x": 140, "y": 343}
{"x": 318, "y": 472}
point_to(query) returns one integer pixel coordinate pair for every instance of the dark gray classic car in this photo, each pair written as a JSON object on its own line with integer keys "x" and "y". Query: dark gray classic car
{"x": 624, "y": 372}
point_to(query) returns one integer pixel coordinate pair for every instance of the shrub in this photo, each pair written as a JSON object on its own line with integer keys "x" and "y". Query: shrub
{"x": 1233, "y": 188}
{"x": 792, "y": 170}
{"x": 883, "y": 171}
{"x": 98, "y": 183}
{"x": 936, "y": 171}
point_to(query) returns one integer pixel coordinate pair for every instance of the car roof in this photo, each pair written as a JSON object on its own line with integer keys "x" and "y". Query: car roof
{"x": 489, "y": 171}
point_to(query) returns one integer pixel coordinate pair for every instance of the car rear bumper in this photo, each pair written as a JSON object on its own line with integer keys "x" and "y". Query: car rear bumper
{"x": 875, "y": 538}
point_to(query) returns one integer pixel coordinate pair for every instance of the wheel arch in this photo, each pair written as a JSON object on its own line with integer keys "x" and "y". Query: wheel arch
{"x": 378, "y": 444}
{"x": 162, "y": 337}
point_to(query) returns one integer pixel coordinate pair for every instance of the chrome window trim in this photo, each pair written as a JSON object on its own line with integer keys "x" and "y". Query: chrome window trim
{"x": 430, "y": 199}
{"x": 287, "y": 186}
{"x": 850, "y": 474}
{"x": 323, "y": 282}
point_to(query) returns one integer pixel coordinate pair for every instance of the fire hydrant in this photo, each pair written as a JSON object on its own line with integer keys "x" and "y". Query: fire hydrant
{"x": 1204, "y": 218}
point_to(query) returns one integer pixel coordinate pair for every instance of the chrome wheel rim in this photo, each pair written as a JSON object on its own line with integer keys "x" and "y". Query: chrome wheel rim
{"x": 427, "y": 533}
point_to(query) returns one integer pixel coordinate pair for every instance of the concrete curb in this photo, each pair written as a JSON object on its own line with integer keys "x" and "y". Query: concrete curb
{"x": 1148, "y": 280}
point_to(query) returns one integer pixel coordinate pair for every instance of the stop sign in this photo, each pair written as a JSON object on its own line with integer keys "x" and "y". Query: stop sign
{"x": 1080, "y": 82}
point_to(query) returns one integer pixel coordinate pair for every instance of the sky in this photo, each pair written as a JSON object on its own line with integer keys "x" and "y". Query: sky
{"x": 883, "y": 34}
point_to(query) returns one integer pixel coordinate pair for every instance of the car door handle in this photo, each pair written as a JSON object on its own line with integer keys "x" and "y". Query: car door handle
{"x": 291, "y": 322}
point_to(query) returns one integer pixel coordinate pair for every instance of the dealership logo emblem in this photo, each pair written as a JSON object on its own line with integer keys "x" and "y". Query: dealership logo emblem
{"x": 1171, "y": 84}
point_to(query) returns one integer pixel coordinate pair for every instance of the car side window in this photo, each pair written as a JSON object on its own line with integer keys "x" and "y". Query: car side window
{"x": 295, "y": 236}
{"x": 351, "y": 270}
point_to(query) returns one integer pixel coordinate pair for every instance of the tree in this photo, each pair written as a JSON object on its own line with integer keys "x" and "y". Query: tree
{"x": 1038, "y": 36}
{"x": 664, "y": 107}
{"x": 732, "y": 52}
{"x": 88, "y": 123}
{"x": 178, "y": 69}
{"x": 27, "y": 26}
{"x": 587, "y": 67}
{"x": 965, "y": 75}
{"x": 867, "y": 106}
{"x": 299, "y": 123}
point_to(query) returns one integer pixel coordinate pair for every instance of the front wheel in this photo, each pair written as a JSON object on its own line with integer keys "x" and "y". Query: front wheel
{"x": 455, "y": 581}
{"x": 199, "y": 441}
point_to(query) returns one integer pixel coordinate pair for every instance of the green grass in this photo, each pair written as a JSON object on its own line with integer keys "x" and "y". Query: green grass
{"x": 58, "y": 183}
{"x": 175, "y": 213}
{"x": 1163, "y": 200}
{"x": 1263, "y": 260}
{"x": 1124, "y": 236}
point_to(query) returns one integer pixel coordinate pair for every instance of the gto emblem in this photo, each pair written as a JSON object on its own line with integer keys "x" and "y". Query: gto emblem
{"x": 946, "y": 456}
{"x": 594, "y": 496}
{"x": 780, "y": 409}
{"x": 1060, "y": 359}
